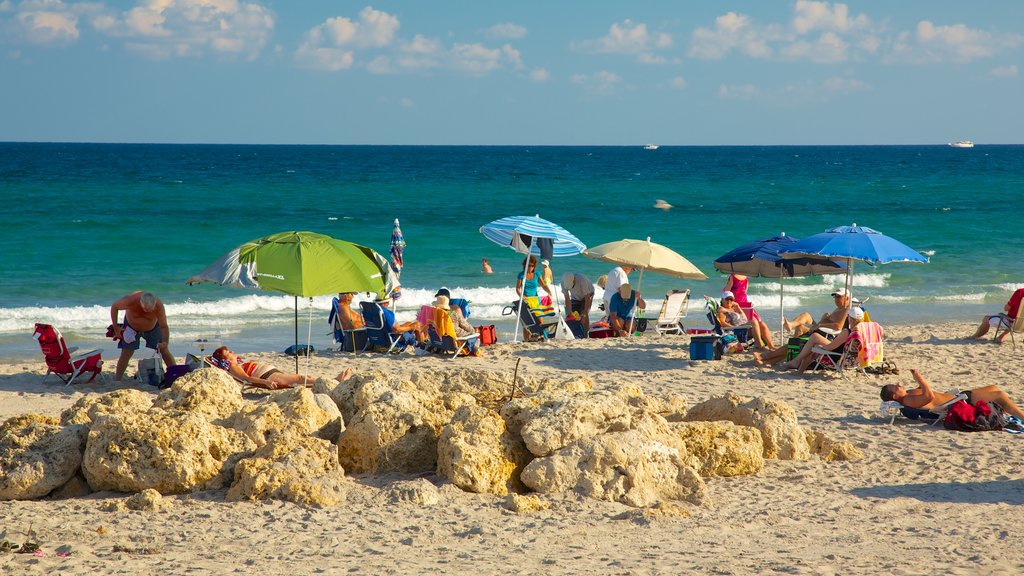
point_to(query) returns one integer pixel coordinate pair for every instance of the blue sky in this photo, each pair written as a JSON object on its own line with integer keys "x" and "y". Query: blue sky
{"x": 526, "y": 72}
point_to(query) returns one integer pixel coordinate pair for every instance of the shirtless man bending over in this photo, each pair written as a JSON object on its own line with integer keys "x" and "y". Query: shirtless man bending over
{"x": 925, "y": 398}
{"x": 144, "y": 317}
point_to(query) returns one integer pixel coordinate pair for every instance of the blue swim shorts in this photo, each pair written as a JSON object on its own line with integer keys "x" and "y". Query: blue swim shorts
{"x": 153, "y": 337}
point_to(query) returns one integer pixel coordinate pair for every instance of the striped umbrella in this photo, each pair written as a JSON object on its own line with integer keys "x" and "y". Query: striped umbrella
{"x": 535, "y": 236}
{"x": 397, "y": 245}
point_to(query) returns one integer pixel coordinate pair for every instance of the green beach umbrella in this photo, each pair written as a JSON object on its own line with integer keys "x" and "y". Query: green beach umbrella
{"x": 300, "y": 264}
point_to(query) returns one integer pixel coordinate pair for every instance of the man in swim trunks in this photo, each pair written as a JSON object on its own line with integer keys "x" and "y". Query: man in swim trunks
{"x": 1003, "y": 320}
{"x": 144, "y": 317}
{"x": 264, "y": 375}
{"x": 924, "y": 397}
{"x": 833, "y": 320}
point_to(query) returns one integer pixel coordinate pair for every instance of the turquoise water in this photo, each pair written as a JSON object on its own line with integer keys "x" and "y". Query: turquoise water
{"x": 86, "y": 223}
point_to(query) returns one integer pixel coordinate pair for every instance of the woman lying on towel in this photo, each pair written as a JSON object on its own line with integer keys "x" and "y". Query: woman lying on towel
{"x": 264, "y": 375}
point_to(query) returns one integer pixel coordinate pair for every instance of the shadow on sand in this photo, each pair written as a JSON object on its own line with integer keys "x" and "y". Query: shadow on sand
{"x": 989, "y": 492}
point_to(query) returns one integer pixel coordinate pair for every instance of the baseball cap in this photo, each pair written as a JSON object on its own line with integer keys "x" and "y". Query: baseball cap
{"x": 839, "y": 292}
{"x": 727, "y": 294}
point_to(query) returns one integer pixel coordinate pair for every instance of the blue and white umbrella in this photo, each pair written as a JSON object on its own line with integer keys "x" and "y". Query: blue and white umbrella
{"x": 761, "y": 259}
{"x": 535, "y": 236}
{"x": 397, "y": 245}
{"x": 850, "y": 243}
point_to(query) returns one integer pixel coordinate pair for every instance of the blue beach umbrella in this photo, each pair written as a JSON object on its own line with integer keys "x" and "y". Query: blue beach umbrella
{"x": 397, "y": 245}
{"x": 761, "y": 259}
{"x": 850, "y": 243}
{"x": 532, "y": 235}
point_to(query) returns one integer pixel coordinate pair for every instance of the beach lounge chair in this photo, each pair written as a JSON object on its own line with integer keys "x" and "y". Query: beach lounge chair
{"x": 1011, "y": 326}
{"x": 351, "y": 339}
{"x": 441, "y": 332}
{"x": 673, "y": 310}
{"x": 541, "y": 322}
{"x": 376, "y": 335}
{"x": 59, "y": 360}
{"x": 892, "y": 409}
{"x": 865, "y": 348}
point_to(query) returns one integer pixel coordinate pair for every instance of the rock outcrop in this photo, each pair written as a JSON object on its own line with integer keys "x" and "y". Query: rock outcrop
{"x": 478, "y": 454}
{"x": 290, "y": 467}
{"x": 37, "y": 455}
{"x": 721, "y": 448}
{"x": 781, "y": 434}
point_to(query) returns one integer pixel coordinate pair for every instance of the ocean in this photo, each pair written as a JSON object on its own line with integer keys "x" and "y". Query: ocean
{"x": 87, "y": 223}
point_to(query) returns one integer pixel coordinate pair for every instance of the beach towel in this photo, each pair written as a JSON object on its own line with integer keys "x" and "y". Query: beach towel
{"x": 977, "y": 417}
{"x": 869, "y": 334}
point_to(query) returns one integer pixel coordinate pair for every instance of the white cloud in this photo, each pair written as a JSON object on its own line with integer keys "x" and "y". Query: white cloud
{"x": 677, "y": 83}
{"x": 827, "y": 49}
{"x": 738, "y": 92}
{"x": 811, "y": 16}
{"x": 603, "y": 82}
{"x": 539, "y": 74}
{"x": 332, "y": 44}
{"x": 177, "y": 28}
{"x": 506, "y": 30}
{"x": 47, "y": 27}
{"x": 732, "y": 31}
{"x": 406, "y": 102}
{"x": 960, "y": 42}
{"x": 1005, "y": 71}
{"x": 628, "y": 37}
{"x": 475, "y": 58}
{"x": 6, "y": 6}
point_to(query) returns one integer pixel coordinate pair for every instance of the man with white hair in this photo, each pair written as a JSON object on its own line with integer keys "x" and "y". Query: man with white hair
{"x": 579, "y": 297}
{"x": 144, "y": 317}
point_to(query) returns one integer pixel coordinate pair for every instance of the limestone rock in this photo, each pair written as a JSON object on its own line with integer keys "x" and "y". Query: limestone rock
{"x": 674, "y": 408}
{"x": 148, "y": 500}
{"x": 525, "y": 503}
{"x": 291, "y": 467}
{"x": 721, "y": 448}
{"x": 171, "y": 453}
{"x": 208, "y": 391}
{"x": 394, "y": 428}
{"x": 294, "y": 411}
{"x": 552, "y": 422}
{"x": 782, "y": 436}
{"x": 420, "y": 492}
{"x": 476, "y": 453}
{"x": 37, "y": 455}
{"x": 76, "y": 487}
{"x": 92, "y": 406}
{"x": 830, "y": 450}
{"x": 627, "y": 467}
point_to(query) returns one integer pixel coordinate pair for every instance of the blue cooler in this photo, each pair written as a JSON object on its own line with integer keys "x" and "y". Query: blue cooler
{"x": 705, "y": 347}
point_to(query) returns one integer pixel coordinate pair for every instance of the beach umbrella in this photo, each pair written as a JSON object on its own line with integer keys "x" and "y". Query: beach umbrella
{"x": 300, "y": 264}
{"x": 852, "y": 243}
{"x": 532, "y": 235}
{"x": 761, "y": 259}
{"x": 645, "y": 255}
{"x": 397, "y": 246}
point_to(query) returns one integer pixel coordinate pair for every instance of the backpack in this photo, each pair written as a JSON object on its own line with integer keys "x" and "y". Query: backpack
{"x": 488, "y": 335}
{"x": 978, "y": 417}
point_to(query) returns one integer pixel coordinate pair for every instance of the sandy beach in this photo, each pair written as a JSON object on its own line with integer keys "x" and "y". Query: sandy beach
{"x": 921, "y": 500}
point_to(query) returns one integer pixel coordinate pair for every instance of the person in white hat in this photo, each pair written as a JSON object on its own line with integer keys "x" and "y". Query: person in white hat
{"x": 833, "y": 320}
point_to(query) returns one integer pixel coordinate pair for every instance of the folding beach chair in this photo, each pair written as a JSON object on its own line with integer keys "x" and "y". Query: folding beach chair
{"x": 441, "y": 332}
{"x": 742, "y": 333}
{"x": 1011, "y": 325}
{"x": 542, "y": 322}
{"x": 376, "y": 335}
{"x": 864, "y": 348}
{"x": 673, "y": 310}
{"x": 351, "y": 339}
{"x": 59, "y": 360}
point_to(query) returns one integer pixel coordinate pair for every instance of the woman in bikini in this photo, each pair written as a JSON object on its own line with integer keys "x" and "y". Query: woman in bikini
{"x": 264, "y": 375}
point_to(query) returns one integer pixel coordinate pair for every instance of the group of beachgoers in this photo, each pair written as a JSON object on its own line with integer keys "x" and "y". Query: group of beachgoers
{"x": 145, "y": 319}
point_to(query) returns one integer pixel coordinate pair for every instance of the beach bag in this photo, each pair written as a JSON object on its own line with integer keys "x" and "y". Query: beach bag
{"x": 151, "y": 370}
{"x": 173, "y": 373}
{"x": 488, "y": 335}
{"x": 979, "y": 417}
{"x": 300, "y": 350}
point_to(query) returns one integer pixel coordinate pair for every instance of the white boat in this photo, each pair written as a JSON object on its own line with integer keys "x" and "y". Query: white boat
{"x": 651, "y": 147}
{"x": 962, "y": 144}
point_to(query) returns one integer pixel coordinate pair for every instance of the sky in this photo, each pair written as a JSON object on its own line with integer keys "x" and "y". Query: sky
{"x": 525, "y": 72}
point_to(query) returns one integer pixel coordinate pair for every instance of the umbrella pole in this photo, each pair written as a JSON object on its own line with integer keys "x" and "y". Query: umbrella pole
{"x": 296, "y": 349}
{"x": 519, "y": 312}
{"x": 309, "y": 337}
{"x": 782, "y": 308}
{"x": 639, "y": 282}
